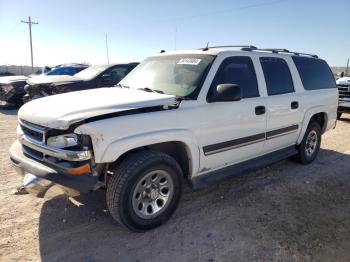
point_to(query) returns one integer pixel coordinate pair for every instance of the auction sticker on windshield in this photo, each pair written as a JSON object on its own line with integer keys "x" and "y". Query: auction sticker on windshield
{"x": 189, "y": 61}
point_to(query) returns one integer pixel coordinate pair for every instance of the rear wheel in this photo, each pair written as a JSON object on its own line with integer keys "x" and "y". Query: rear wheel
{"x": 144, "y": 190}
{"x": 310, "y": 145}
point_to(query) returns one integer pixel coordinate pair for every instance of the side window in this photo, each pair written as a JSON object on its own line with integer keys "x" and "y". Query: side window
{"x": 314, "y": 73}
{"x": 277, "y": 76}
{"x": 117, "y": 73}
{"x": 237, "y": 70}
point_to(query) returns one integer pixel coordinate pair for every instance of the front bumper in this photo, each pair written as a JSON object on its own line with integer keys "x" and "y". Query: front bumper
{"x": 344, "y": 106}
{"x": 26, "y": 165}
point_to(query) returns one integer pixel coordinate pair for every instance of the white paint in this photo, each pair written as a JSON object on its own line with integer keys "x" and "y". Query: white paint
{"x": 195, "y": 123}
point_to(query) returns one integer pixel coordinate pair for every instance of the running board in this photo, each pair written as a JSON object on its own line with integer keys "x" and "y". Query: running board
{"x": 243, "y": 167}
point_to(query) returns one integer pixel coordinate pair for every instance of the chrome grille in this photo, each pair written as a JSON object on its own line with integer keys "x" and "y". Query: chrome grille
{"x": 32, "y": 153}
{"x": 33, "y": 131}
{"x": 344, "y": 92}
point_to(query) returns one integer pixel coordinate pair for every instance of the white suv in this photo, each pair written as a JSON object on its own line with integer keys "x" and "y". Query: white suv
{"x": 199, "y": 115}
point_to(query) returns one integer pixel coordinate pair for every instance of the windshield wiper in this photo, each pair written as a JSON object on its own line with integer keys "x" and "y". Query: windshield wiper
{"x": 147, "y": 89}
{"x": 123, "y": 86}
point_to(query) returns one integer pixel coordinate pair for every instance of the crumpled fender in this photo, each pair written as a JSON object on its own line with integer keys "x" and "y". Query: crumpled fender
{"x": 108, "y": 151}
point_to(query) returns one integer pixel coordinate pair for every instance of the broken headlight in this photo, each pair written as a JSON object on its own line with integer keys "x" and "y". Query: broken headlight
{"x": 63, "y": 141}
{"x": 7, "y": 88}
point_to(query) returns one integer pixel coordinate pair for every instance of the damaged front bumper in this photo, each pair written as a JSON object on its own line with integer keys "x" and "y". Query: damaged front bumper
{"x": 43, "y": 176}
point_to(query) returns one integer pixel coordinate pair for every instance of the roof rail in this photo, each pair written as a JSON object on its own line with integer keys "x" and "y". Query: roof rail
{"x": 254, "y": 48}
{"x": 280, "y": 50}
{"x": 224, "y": 46}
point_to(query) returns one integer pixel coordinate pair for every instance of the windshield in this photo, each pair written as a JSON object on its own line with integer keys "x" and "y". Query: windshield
{"x": 65, "y": 70}
{"x": 178, "y": 75}
{"x": 91, "y": 72}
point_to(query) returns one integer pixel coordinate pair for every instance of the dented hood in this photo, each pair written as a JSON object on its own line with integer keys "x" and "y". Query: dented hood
{"x": 47, "y": 79}
{"x": 60, "y": 111}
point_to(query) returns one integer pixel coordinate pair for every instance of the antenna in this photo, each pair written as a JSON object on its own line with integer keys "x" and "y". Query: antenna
{"x": 175, "y": 38}
{"x": 107, "y": 49}
{"x": 206, "y": 48}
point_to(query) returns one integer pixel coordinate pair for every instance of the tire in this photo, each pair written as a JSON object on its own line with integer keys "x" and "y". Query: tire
{"x": 339, "y": 115}
{"x": 133, "y": 197}
{"x": 307, "y": 152}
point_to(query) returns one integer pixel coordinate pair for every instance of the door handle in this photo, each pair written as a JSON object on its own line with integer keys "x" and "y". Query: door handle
{"x": 294, "y": 105}
{"x": 260, "y": 110}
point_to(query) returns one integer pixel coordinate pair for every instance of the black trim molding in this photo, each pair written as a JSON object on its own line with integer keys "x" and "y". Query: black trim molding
{"x": 248, "y": 140}
{"x": 281, "y": 132}
{"x": 228, "y": 145}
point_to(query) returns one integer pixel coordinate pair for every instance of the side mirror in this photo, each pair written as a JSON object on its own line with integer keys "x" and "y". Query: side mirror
{"x": 225, "y": 93}
{"x": 106, "y": 78}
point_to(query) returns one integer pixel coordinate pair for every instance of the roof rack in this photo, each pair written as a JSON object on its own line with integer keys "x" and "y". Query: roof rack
{"x": 224, "y": 46}
{"x": 279, "y": 50}
{"x": 254, "y": 48}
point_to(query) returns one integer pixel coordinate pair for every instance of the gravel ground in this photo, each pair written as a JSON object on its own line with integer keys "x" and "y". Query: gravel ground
{"x": 284, "y": 212}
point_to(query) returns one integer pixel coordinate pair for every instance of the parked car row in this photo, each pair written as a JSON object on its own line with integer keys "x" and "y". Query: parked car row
{"x": 16, "y": 90}
{"x": 199, "y": 116}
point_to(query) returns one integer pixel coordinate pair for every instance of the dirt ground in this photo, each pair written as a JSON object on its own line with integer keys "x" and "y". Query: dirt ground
{"x": 284, "y": 212}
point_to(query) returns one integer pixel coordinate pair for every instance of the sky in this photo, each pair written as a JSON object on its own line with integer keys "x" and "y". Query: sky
{"x": 75, "y": 30}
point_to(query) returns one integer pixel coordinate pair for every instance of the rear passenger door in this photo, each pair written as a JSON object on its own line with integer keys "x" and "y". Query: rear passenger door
{"x": 283, "y": 117}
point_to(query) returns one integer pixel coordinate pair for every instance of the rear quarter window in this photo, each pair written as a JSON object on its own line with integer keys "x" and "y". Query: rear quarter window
{"x": 314, "y": 73}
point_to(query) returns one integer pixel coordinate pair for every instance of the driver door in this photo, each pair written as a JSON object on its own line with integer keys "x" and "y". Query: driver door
{"x": 233, "y": 131}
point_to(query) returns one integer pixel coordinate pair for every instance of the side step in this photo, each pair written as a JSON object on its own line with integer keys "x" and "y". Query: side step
{"x": 246, "y": 166}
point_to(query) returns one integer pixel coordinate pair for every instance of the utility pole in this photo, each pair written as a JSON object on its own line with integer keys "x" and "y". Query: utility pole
{"x": 30, "y": 23}
{"x": 347, "y": 67}
{"x": 107, "y": 49}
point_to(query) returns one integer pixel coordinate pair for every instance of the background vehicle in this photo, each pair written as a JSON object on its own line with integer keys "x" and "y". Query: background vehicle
{"x": 200, "y": 115}
{"x": 343, "y": 84}
{"x": 92, "y": 77}
{"x": 12, "y": 88}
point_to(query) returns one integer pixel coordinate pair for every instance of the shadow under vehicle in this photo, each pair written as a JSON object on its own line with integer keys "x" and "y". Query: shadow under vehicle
{"x": 272, "y": 212}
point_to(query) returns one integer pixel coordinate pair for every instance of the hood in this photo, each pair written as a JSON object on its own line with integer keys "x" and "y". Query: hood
{"x": 10, "y": 79}
{"x": 60, "y": 111}
{"x": 47, "y": 79}
{"x": 344, "y": 81}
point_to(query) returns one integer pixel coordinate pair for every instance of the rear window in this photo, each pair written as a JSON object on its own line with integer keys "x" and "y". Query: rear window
{"x": 277, "y": 76}
{"x": 314, "y": 73}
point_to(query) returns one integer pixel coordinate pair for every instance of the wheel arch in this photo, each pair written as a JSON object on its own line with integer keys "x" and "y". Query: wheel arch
{"x": 318, "y": 115}
{"x": 181, "y": 145}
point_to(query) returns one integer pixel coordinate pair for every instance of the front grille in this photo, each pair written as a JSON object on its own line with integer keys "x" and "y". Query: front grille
{"x": 32, "y": 153}
{"x": 344, "y": 93}
{"x": 36, "y": 135}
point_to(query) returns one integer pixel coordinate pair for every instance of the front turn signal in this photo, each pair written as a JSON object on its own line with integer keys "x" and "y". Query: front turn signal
{"x": 78, "y": 171}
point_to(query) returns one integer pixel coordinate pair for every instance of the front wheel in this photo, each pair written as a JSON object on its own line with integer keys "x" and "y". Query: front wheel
{"x": 144, "y": 190}
{"x": 310, "y": 145}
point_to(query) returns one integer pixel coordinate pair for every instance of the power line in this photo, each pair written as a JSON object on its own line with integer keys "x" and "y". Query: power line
{"x": 225, "y": 10}
{"x": 30, "y": 23}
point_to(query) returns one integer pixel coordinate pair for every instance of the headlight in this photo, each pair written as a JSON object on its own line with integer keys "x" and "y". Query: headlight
{"x": 7, "y": 88}
{"x": 63, "y": 141}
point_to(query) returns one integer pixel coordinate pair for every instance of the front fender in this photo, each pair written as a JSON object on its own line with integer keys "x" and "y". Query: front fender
{"x": 108, "y": 151}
